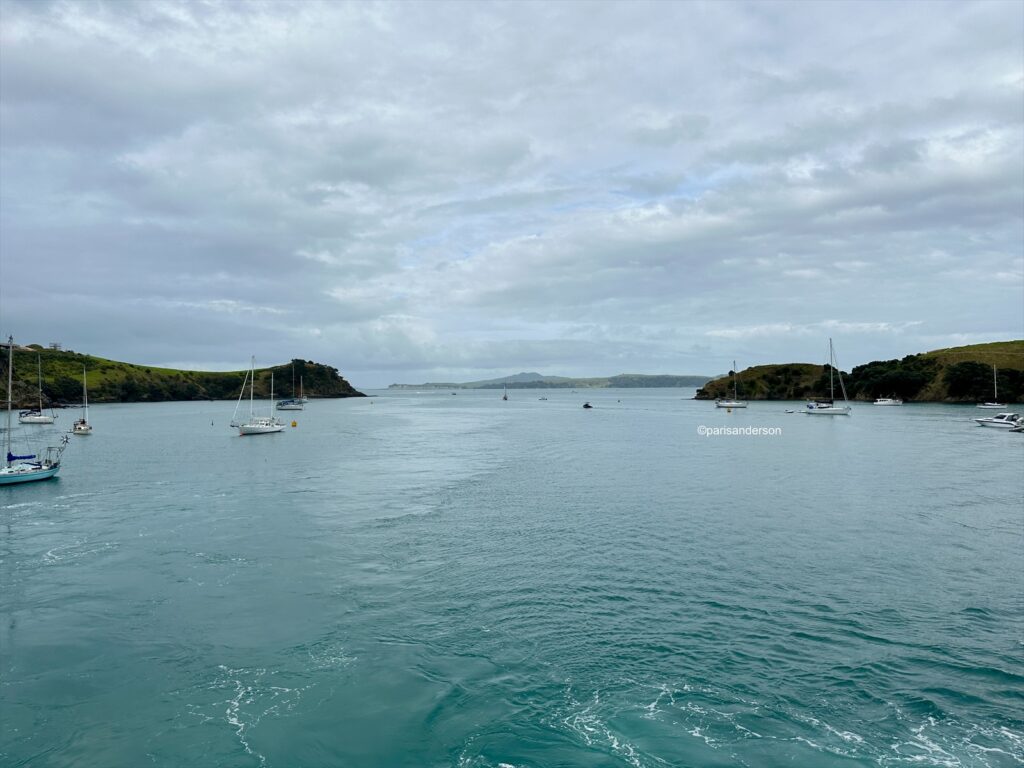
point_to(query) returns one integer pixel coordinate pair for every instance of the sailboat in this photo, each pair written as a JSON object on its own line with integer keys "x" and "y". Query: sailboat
{"x": 504, "y": 393}
{"x": 829, "y": 407}
{"x": 255, "y": 425}
{"x": 995, "y": 394}
{"x": 25, "y": 469}
{"x": 293, "y": 403}
{"x": 36, "y": 415}
{"x": 735, "y": 402}
{"x": 82, "y": 425}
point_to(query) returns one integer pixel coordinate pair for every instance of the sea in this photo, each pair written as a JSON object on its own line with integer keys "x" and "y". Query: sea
{"x": 422, "y": 578}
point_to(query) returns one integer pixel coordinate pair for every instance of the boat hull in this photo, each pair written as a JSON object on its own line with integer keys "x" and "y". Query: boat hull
{"x": 828, "y": 411}
{"x": 35, "y": 419}
{"x": 996, "y": 424}
{"x": 992, "y": 406}
{"x": 259, "y": 429}
{"x": 25, "y": 473}
{"x": 730, "y": 404}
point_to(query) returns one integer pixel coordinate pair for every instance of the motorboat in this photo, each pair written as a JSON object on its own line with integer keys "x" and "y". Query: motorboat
{"x": 888, "y": 401}
{"x": 1001, "y": 421}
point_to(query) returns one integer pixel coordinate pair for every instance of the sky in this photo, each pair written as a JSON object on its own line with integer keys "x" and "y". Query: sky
{"x": 441, "y": 191}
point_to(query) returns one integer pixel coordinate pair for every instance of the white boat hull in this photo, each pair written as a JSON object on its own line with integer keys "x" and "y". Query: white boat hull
{"x": 996, "y": 424}
{"x": 36, "y": 419}
{"x": 26, "y": 473}
{"x": 992, "y": 406}
{"x": 259, "y": 429}
{"x": 841, "y": 411}
{"x": 888, "y": 402}
{"x": 730, "y": 404}
{"x": 81, "y": 429}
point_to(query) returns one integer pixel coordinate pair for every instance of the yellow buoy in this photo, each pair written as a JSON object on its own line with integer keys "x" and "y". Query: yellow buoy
{"x": 295, "y": 423}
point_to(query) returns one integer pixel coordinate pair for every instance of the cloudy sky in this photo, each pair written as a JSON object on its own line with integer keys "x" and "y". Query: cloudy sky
{"x": 452, "y": 191}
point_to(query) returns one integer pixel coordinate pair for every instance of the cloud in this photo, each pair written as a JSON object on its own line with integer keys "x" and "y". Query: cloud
{"x": 436, "y": 187}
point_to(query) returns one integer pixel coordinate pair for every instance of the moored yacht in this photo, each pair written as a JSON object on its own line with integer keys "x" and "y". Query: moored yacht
{"x": 734, "y": 401}
{"x": 82, "y": 425}
{"x": 36, "y": 415}
{"x": 888, "y": 401}
{"x": 828, "y": 407}
{"x": 26, "y": 467}
{"x": 995, "y": 404}
{"x": 293, "y": 403}
{"x": 255, "y": 425}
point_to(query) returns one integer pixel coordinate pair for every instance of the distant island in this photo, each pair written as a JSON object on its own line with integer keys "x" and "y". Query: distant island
{"x": 539, "y": 381}
{"x": 954, "y": 375}
{"x": 116, "y": 382}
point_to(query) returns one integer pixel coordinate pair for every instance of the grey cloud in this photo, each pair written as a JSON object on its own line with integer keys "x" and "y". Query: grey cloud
{"x": 441, "y": 187}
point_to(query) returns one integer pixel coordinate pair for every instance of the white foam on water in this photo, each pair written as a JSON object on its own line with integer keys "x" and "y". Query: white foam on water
{"x": 76, "y": 551}
{"x": 330, "y": 655}
{"x": 250, "y": 700}
{"x": 588, "y": 724}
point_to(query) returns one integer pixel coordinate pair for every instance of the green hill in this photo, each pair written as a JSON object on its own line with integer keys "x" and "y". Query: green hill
{"x": 955, "y": 375}
{"x": 116, "y": 382}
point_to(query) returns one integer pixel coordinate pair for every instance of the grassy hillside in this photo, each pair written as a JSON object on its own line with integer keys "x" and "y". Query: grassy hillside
{"x": 955, "y": 375}
{"x": 113, "y": 381}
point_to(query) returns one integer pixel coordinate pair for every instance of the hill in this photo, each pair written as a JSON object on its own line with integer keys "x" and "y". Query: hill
{"x": 537, "y": 381}
{"x": 954, "y": 375}
{"x": 111, "y": 381}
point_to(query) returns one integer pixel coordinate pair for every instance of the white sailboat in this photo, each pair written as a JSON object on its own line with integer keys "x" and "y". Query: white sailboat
{"x": 25, "y": 468}
{"x": 829, "y": 407}
{"x": 255, "y": 425}
{"x": 36, "y": 415}
{"x": 293, "y": 403}
{"x": 504, "y": 393}
{"x": 735, "y": 402}
{"x": 995, "y": 394}
{"x": 82, "y": 425}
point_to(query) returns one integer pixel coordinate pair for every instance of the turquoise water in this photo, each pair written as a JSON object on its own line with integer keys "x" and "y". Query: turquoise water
{"x": 436, "y": 580}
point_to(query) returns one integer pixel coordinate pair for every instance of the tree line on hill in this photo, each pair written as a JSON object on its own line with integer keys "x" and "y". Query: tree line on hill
{"x": 116, "y": 382}
{"x": 916, "y": 377}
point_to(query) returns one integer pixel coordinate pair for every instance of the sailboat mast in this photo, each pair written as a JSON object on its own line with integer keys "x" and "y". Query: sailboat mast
{"x": 10, "y": 371}
{"x": 39, "y": 360}
{"x": 735, "y": 393}
{"x": 831, "y": 369}
{"x": 252, "y": 384}
{"x": 85, "y": 395}
{"x": 995, "y": 386}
